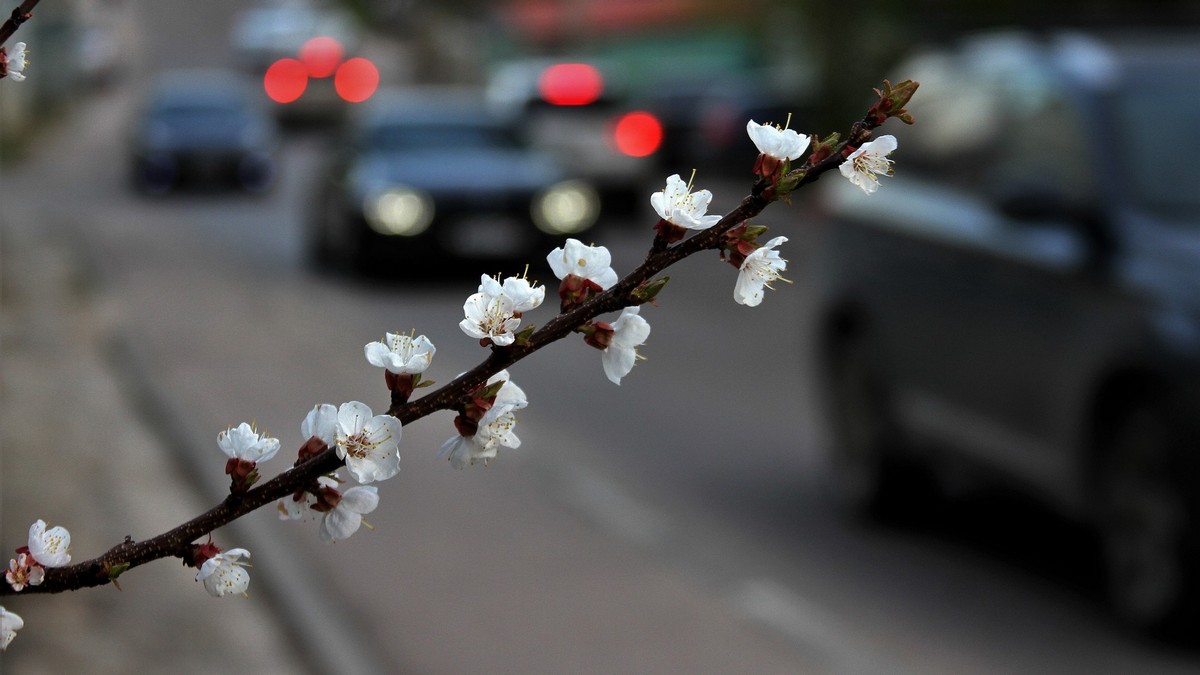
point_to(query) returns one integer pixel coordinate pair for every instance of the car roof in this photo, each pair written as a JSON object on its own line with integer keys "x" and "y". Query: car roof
{"x": 1087, "y": 59}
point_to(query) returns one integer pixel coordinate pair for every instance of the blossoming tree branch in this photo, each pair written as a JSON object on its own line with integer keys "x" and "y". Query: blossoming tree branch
{"x": 351, "y": 437}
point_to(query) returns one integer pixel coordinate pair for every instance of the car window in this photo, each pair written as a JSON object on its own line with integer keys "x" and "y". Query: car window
{"x": 1045, "y": 144}
{"x": 1158, "y": 121}
{"x": 408, "y": 137}
{"x": 992, "y": 113}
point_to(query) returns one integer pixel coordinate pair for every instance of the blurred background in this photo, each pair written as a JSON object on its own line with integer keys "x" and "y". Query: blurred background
{"x": 208, "y": 208}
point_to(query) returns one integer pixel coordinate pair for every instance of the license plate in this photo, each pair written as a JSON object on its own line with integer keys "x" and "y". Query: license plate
{"x": 491, "y": 236}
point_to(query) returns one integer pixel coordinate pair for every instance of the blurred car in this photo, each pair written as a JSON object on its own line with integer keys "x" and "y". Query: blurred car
{"x": 424, "y": 177}
{"x": 295, "y": 48}
{"x": 202, "y": 127}
{"x": 581, "y": 112}
{"x": 266, "y": 32}
{"x": 1021, "y": 302}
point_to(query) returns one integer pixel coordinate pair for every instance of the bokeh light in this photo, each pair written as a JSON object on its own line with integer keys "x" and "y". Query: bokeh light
{"x": 637, "y": 134}
{"x": 356, "y": 80}
{"x": 286, "y": 80}
{"x": 571, "y": 84}
{"x": 321, "y": 55}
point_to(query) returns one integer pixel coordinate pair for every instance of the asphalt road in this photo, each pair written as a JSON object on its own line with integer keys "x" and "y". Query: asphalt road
{"x": 672, "y": 524}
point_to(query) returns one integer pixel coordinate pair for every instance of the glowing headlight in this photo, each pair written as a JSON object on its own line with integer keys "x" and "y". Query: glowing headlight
{"x": 568, "y": 207}
{"x": 400, "y": 211}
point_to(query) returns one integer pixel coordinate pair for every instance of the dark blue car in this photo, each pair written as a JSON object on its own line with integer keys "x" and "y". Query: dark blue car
{"x": 202, "y": 128}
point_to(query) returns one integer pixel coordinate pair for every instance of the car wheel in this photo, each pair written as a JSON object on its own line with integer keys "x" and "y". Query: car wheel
{"x": 1147, "y": 526}
{"x": 868, "y": 475}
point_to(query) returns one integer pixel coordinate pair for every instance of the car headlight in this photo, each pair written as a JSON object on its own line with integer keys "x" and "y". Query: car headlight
{"x": 568, "y": 207}
{"x": 399, "y": 211}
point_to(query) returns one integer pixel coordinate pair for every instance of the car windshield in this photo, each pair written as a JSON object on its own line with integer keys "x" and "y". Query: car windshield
{"x": 1159, "y": 122}
{"x": 197, "y": 113}
{"x": 408, "y": 137}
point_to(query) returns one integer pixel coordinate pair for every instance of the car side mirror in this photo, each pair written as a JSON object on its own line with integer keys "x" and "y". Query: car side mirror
{"x": 1043, "y": 202}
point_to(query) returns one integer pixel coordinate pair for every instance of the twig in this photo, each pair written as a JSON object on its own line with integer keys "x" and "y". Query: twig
{"x": 178, "y": 542}
{"x": 19, "y": 16}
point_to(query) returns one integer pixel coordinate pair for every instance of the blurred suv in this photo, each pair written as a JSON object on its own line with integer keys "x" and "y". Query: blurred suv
{"x": 1021, "y": 302}
{"x": 422, "y": 177}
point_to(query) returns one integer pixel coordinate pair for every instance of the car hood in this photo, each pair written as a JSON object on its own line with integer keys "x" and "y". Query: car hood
{"x": 456, "y": 172}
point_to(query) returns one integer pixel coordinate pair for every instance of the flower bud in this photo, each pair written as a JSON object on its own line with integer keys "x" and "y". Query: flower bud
{"x": 824, "y": 148}
{"x": 892, "y": 101}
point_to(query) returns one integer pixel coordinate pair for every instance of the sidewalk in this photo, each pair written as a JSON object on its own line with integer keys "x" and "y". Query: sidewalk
{"x": 74, "y": 452}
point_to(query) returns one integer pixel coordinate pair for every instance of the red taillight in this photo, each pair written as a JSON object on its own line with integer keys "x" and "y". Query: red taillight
{"x": 321, "y": 55}
{"x": 356, "y": 80}
{"x": 571, "y": 84}
{"x": 286, "y": 80}
{"x": 637, "y": 134}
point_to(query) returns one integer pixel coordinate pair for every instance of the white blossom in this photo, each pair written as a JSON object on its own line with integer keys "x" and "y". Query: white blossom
{"x": 459, "y": 450}
{"x": 321, "y": 422}
{"x": 758, "y": 270}
{"x": 677, "y": 204}
{"x": 225, "y": 573}
{"x": 22, "y": 572}
{"x": 524, "y": 295}
{"x": 401, "y": 354}
{"x": 509, "y": 393}
{"x": 490, "y": 317}
{"x": 864, "y": 166}
{"x": 629, "y": 332}
{"x": 245, "y": 443}
{"x": 584, "y": 261}
{"x": 778, "y": 143}
{"x": 292, "y": 509}
{"x": 494, "y": 430}
{"x": 49, "y": 548}
{"x": 18, "y": 59}
{"x": 344, "y": 519}
{"x": 368, "y": 443}
{"x": 10, "y": 623}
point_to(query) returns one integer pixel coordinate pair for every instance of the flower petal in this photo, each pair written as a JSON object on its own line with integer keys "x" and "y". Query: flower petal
{"x": 321, "y": 422}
